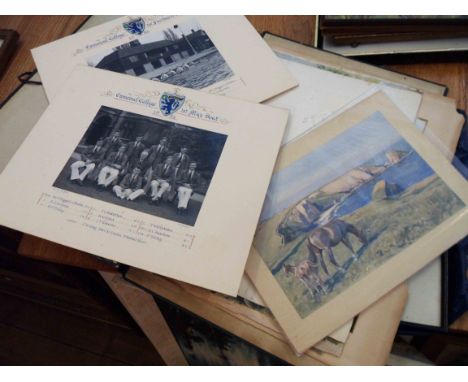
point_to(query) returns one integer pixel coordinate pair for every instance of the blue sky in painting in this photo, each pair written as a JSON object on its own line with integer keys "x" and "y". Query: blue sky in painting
{"x": 365, "y": 143}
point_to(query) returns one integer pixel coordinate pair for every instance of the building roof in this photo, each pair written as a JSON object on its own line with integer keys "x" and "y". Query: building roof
{"x": 134, "y": 50}
{"x": 146, "y": 47}
{"x": 143, "y": 48}
{"x": 195, "y": 34}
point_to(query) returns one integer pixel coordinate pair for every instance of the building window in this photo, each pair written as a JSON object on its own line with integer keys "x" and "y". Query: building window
{"x": 133, "y": 59}
{"x": 176, "y": 57}
{"x": 139, "y": 70}
{"x": 148, "y": 67}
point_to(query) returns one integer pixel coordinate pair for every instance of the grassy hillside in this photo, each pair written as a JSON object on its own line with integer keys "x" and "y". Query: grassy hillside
{"x": 270, "y": 243}
{"x": 389, "y": 226}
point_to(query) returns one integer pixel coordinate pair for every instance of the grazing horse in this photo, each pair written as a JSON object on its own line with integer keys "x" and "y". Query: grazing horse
{"x": 330, "y": 235}
{"x": 307, "y": 271}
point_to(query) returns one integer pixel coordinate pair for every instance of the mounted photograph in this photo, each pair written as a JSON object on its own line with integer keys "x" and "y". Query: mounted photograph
{"x": 182, "y": 54}
{"x": 153, "y": 166}
{"x": 221, "y": 55}
{"x": 8, "y": 45}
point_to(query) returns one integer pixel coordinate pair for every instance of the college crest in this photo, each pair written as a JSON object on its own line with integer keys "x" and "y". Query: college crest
{"x": 169, "y": 103}
{"x": 136, "y": 26}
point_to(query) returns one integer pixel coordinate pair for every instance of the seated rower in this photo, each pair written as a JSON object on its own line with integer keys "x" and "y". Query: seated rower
{"x": 112, "y": 167}
{"x": 160, "y": 180}
{"x": 111, "y": 144}
{"x": 130, "y": 187}
{"x": 142, "y": 162}
{"x": 159, "y": 152}
{"x": 187, "y": 181}
{"x": 135, "y": 148}
{"x": 90, "y": 158}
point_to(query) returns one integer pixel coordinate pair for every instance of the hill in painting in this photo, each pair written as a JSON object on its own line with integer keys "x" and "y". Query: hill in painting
{"x": 390, "y": 225}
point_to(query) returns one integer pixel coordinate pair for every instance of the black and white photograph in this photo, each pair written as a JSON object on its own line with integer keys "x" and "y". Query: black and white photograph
{"x": 150, "y": 165}
{"x": 182, "y": 55}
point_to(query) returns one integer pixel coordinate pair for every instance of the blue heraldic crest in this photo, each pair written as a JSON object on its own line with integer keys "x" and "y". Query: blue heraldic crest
{"x": 136, "y": 26}
{"x": 169, "y": 103}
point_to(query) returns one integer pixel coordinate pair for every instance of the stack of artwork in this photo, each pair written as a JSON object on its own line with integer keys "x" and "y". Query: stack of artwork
{"x": 352, "y": 208}
{"x": 149, "y": 164}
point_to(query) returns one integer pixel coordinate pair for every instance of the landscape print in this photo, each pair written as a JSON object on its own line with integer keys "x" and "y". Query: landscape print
{"x": 342, "y": 210}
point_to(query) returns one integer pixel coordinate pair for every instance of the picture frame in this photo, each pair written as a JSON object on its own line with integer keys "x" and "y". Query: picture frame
{"x": 317, "y": 53}
{"x": 415, "y": 47}
{"x": 8, "y": 43}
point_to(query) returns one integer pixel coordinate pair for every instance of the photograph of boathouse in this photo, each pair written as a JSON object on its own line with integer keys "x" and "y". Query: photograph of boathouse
{"x": 182, "y": 55}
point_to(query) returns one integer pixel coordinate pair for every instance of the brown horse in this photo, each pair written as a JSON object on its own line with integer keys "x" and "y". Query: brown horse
{"x": 319, "y": 240}
{"x": 308, "y": 272}
{"x": 330, "y": 235}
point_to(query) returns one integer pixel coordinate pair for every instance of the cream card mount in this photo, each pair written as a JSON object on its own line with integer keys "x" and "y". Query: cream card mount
{"x": 354, "y": 208}
{"x": 436, "y": 115}
{"x": 218, "y": 54}
{"x": 193, "y": 224}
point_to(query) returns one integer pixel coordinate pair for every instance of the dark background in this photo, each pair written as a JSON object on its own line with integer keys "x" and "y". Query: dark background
{"x": 204, "y": 146}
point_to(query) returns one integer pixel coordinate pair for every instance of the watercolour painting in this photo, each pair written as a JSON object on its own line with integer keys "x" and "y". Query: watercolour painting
{"x": 342, "y": 210}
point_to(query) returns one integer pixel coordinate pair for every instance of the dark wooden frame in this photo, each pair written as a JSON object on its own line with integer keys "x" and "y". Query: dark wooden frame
{"x": 10, "y": 39}
{"x": 419, "y": 57}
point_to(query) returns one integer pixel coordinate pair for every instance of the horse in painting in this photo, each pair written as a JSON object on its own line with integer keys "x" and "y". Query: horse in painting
{"x": 321, "y": 240}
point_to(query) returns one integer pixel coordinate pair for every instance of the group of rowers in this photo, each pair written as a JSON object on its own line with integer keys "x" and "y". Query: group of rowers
{"x": 133, "y": 170}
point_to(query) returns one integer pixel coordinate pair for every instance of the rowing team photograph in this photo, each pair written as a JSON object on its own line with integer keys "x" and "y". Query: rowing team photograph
{"x": 143, "y": 163}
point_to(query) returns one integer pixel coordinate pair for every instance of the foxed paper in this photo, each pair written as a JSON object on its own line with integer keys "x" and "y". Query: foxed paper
{"x": 324, "y": 89}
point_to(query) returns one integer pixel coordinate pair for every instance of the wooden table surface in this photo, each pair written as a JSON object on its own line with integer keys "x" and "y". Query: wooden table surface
{"x": 38, "y": 30}
{"x": 34, "y": 31}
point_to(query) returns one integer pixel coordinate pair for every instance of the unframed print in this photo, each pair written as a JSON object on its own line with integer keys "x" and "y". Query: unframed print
{"x": 198, "y": 52}
{"x": 93, "y": 155}
{"x": 181, "y": 54}
{"x": 354, "y": 208}
{"x": 324, "y": 89}
{"x": 334, "y": 215}
{"x": 311, "y": 59}
{"x": 102, "y": 185}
